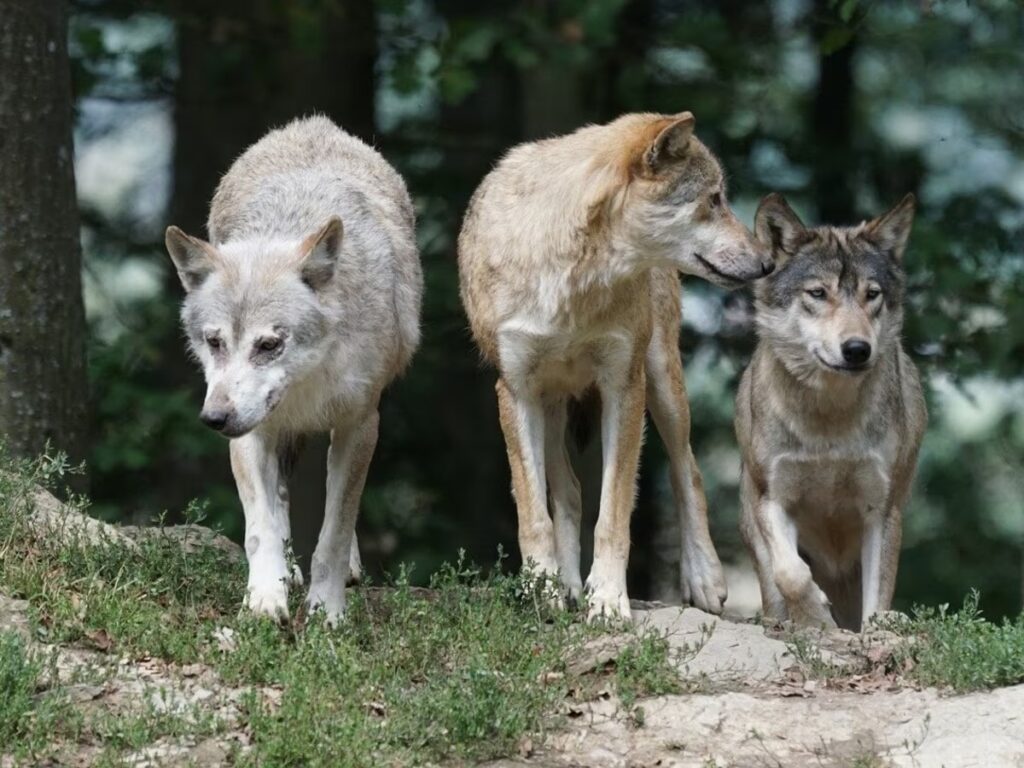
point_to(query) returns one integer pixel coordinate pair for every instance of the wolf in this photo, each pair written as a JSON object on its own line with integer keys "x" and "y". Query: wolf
{"x": 829, "y": 416}
{"x": 302, "y": 307}
{"x": 569, "y": 258}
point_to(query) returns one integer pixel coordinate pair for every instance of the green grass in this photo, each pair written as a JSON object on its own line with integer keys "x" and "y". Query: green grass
{"x": 28, "y": 716}
{"x": 960, "y": 649}
{"x": 462, "y": 671}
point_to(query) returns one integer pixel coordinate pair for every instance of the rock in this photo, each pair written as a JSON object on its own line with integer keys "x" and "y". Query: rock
{"x": 54, "y": 521}
{"x": 14, "y": 617}
{"x": 189, "y": 537}
{"x": 732, "y": 653}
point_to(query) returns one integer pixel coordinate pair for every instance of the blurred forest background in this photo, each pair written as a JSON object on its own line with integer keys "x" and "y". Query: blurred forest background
{"x": 842, "y": 105}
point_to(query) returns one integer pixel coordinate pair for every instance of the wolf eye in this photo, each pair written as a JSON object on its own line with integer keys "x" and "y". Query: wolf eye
{"x": 816, "y": 293}
{"x": 716, "y": 200}
{"x": 268, "y": 344}
{"x": 213, "y": 342}
{"x": 872, "y": 294}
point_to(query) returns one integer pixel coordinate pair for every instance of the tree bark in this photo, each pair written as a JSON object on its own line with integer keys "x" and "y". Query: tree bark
{"x": 42, "y": 319}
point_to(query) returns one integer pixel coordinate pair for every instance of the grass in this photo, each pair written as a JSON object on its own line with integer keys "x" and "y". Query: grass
{"x": 28, "y": 716}
{"x": 462, "y": 671}
{"x": 960, "y": 649}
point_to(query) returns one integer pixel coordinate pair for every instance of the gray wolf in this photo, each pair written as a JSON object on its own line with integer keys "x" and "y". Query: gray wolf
{"x": 301, "y": 309}
{"x": 829, "y": 417}
{"x": 568, "y": 259}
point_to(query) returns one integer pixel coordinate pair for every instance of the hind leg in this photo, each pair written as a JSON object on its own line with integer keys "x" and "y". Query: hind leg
{"x": 701, "y": 576}
{"x": 566, "y": 504}
{"x": 355, "y": 563}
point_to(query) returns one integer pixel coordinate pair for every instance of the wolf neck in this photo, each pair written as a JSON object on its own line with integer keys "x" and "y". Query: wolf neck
{"x": 827, "y": 403}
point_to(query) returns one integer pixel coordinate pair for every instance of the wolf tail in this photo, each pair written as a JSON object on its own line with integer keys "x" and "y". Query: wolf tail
{"x": 584, "y": 417}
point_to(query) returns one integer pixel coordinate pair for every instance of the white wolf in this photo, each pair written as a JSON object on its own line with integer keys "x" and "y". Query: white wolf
{"x": 301, "y": 309}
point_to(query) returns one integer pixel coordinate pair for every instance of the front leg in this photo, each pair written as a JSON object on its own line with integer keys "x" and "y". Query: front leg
{"x": 254, "y": 462}
{"x": 806, "y": 604}
{"x": 879, "y": 559}
{"x": 522, "y": 422}
{"x": 622, "y": 426}
{"x": 348, "y": 461}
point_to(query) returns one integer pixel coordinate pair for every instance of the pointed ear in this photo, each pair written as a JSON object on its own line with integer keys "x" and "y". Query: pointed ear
{"x": 194, "y": 259}
{"x": 778, "y": 226}
{"x": 891, "y": 230}
{"x": 319, "y": 254}
{"x": 670, "y": 144}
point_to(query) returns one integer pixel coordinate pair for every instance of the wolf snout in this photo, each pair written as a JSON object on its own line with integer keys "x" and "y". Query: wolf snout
{"x": 856, "y": 351}
{"x": 215, "y": 419}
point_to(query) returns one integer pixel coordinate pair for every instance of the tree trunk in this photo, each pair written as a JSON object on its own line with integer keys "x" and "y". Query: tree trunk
{"x": 42, "y": 320}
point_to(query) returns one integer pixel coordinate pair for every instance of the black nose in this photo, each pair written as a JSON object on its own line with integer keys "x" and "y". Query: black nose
{"x": 767, "y": 267}
{"x": 856, "y": 351}
{"x": 214, "y": 419}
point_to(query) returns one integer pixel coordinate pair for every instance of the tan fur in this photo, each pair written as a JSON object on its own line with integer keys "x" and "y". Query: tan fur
{"x": 568, "y": 261}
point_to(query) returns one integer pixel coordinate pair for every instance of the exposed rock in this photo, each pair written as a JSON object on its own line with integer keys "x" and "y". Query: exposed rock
{"x": 189, "y": 537}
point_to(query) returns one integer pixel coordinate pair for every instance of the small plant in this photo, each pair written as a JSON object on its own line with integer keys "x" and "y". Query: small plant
{"x": 961, "y": 649}
{"x": 27, "y": 717}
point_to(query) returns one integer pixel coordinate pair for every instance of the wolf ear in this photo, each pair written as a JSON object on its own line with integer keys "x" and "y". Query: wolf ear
{"x": 194, "y": 259}
{"x": 671, "y": 143}
{"x": 891, "y": 230}
{"x": 319, "y": 254}
{"x": 778, "y": 226}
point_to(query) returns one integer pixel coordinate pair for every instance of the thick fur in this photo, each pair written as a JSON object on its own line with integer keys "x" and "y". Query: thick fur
{"x": 301, "y": 309}
{"x": 568, "y": 261}
{"x": 829, "y": 447}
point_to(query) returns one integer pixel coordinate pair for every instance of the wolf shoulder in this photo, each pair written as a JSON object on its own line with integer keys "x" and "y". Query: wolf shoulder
{"x": 296, "y": 175}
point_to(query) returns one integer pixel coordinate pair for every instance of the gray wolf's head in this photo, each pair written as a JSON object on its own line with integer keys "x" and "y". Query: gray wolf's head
{"x": 254, "y": 318}
{"x": 676, "y": 204}
{"x": 835, "y": 301}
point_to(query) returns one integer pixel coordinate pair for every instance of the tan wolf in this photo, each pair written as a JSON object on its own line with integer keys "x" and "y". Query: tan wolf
{"x": 829, "y": 416}
{"x": 568, "y": 262}
{"x": 301, "y": 309}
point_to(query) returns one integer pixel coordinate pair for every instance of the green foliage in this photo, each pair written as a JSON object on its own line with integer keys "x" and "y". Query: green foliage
{"x": 960, "y": 649}
{"x": 462, "y": 670}
{"x": 28, "y": 717}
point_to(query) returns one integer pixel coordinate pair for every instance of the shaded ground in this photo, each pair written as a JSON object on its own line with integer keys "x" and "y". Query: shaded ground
{"x": 742, "y": 694}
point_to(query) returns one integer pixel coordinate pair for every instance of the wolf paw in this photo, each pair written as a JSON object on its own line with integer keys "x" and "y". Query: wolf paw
{"x": 332, "y": 607}
{"x": 607, "y": 599}
{"x": 702, "y": 580}
{"x": 270, "y": 601}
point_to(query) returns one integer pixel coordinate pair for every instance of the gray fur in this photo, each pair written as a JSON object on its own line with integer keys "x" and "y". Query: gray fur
{"x": 829, "y": 448}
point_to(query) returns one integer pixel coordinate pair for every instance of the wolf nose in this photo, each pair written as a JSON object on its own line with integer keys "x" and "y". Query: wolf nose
{"x": 767, "y": 267}
{"x": 216, "y": 420}
{"x": 856, "y": 351}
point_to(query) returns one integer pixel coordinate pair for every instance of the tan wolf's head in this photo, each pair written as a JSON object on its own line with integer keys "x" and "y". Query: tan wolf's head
{"x": 255, "y": 318}
{"x": 835, "y": 301}
{"x": 670, "y": 192}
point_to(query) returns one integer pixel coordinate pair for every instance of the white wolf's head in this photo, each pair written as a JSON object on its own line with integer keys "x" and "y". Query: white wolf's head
{"x": 254, "y": 318}
{"x": 835, "y": 302}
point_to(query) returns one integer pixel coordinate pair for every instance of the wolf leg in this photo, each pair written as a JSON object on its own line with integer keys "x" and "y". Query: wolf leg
{"x": 701, "y": 576}
{"x": 773, "y": 605}
{"x": 566, "y": 504}
{"x": 805, "y": 602}
{"x": 254, "y": 462}
{"x": 348, "y": 461}
{"x": 622, "y": 426}
{"x": 355, "y": 562}
{"x": 522, "y": 422}
{"x": 880, "y": 552}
